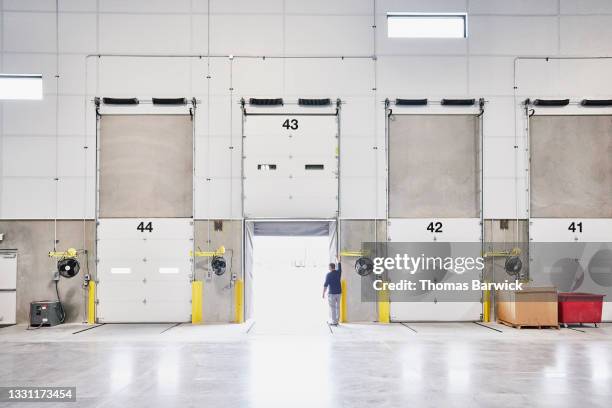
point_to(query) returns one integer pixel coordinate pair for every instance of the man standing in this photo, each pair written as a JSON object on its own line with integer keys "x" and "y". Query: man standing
{"x": 332, "y": 281}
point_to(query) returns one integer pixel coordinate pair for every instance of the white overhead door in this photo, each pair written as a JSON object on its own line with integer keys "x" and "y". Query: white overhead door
{"x": 434, "y": 197}
{"x": 290, "y": 166}
{"x": 144, "y": 270}
{"x": 145, "y": 227}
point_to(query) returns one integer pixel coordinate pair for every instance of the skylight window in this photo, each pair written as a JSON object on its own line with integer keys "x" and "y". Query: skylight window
{"x": 426, "y": 25}
{"x": 21, "y": 86}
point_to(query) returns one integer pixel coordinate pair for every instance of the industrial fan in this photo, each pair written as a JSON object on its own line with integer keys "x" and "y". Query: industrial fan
{"x": 364, "y": 266}
{"x": 218, "y": 265}
{"x": 513, "y": 265}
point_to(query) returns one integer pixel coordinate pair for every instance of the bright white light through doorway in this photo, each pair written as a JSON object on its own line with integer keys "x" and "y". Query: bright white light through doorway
{"x": 288, "y": 278}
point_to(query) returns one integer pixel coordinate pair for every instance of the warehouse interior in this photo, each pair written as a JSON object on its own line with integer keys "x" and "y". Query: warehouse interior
{"x": 177, "y": 176}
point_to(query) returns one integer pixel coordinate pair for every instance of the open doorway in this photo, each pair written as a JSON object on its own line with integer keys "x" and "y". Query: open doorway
{"x": 288, "y": 268}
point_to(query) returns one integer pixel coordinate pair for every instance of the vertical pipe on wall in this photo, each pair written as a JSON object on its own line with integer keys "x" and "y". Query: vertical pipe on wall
{"x": 57, "y": 76}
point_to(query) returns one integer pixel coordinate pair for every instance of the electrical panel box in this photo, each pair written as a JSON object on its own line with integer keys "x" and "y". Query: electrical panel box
{"x": 8, "y": 287}
{"x": 45, "y": 313}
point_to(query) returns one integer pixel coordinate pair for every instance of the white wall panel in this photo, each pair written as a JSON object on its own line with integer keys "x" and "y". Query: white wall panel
{"x": 218, "y": 198}
{"x": 29, "y": 117}
{"x": 408, "y": 77}
{"x": 357, "y": 198}
{"x": 491, "y": 75}
{"x": 328, "y": 35}
{"x": 77, "y": 5}
{"x": 329, "y": 77}
{"x": 499, "y": 157}
{"x": 242, "y": 34}
{"x": 26, "y": 32}
{"x": 499, "y": 116}
{"x": 73, "y": 157}
{"x": 77, "y": 32}
{"x": 24, "y": 198}
{"x": 257, "y": 77}
{"x": 358, "y": 157}
{"x": 359, "y": 114}
{"x": 31, "y": 5}
{"x": 586, "y": 35}
{"x": 514, "y": 6}
{"x": 71, "y": 118}
{"x": 76, "y": 197}
{"x": 585, "y": 6}
{"x": 499, "y": 197}
{"x": 344, "y": 7}
{"x": 134, "y": 33}
{"x": 425, "y": 6}
{"x": 28, "y": 156}
{"x": 241, "y": 6}
{"x": 513, "y": 35}
{"x": 586, "y": 78}
{"x": 214, "y": 158}
{"x": 131, "y": 77}
{"x": 154, "y": 6}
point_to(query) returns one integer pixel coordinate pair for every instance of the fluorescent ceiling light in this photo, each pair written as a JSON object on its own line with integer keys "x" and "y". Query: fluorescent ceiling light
{"x": 429, "y": 25}
{"x": 21, "y": 86}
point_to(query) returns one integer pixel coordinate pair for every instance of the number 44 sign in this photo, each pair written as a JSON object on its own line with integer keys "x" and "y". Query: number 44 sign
{"x": 142, "y": 227}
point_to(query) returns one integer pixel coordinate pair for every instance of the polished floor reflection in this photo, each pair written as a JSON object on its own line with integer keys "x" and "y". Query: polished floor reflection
{"x": 354, "y": 365}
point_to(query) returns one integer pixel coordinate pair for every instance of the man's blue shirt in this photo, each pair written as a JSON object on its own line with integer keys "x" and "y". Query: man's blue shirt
{"x": 332, "y": 280}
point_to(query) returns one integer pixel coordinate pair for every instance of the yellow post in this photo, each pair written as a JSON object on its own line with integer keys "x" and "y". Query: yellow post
{"x": 384, "y": 309}
{"x": 196, "y": 302}
{"x": 343, "y": 302}
{"x": 486, "y": 306}
{"x": 91, "y": 303}
{"x": 238, "y": 301}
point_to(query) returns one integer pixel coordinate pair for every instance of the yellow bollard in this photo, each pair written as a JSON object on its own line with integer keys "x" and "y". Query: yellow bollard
{"x": 384, "y": 308}
{"x": 196, "y": 301}
{"x": 486, "y": 307}
{"x": 343, "y": 318}
{"x": 239, "y": 301}
{"x": 91, "y": 303}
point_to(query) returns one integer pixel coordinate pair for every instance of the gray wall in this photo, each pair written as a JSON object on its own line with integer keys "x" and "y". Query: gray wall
{"x": 352, "y": 234}
{"x": 218, "y": 295}
{"x": 571, "y": 166}
{"x": 34, "y": 240}
{"x": 146, "y": 166}
{"x": 434, "y": 166}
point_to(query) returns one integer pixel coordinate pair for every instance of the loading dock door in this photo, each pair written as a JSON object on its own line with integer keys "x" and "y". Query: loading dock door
{"x": 290, "y": 166}
{"x": 570, "y": 203}
{"x": 435, "y": 179}
{"x": 145, "y": 218}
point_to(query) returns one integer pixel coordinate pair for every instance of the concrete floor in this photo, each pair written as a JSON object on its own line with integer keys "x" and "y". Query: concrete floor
{"x": 355, "y": 365}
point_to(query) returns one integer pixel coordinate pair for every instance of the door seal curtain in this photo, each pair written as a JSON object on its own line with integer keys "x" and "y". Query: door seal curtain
{"x": 279, "y": 102}
{"x": 425, "y": 101}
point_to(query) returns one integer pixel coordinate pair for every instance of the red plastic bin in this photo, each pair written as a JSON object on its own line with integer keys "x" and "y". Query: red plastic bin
{"x": 576, "y": 307}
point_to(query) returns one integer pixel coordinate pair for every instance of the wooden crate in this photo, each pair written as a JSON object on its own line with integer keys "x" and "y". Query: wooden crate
{"x": 530, "y": 307}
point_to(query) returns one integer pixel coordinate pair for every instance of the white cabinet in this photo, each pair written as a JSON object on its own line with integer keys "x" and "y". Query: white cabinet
{"x": 8, "y": 287}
